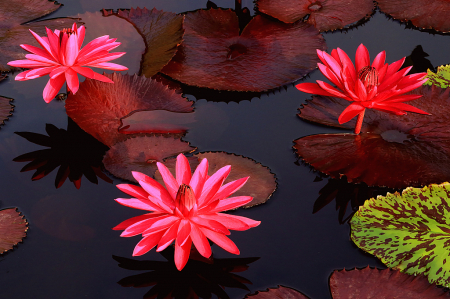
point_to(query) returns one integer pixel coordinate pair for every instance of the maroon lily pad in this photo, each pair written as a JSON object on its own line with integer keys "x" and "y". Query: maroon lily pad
{"x": 324, "y": 15}
{"x": 392, "y": 151}
{"x": 98, "y": 107}
{"x": 422, "y": 13}
{"x": 13, "y": 228}
{"x": 260, "y": 186}
{"x": 6, "y": 108}
{"x": 162, "y": 33}
{"x": 14, "y": 15}
{"x": 280, "y": 292}
{"x": 370, "y": 283}
{"x": 140, "y": 153}
{"x": 267, "y": 54}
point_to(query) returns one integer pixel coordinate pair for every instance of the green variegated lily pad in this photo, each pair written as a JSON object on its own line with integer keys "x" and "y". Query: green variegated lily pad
{"x": 441, "y": 78}
{"x": 409, "y": 231}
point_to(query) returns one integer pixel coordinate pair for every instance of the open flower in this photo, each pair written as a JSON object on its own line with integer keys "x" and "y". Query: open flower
{"x": 187, "y": 211}
{"x": 62, "y": 58}
{"x": 379, "y": 85}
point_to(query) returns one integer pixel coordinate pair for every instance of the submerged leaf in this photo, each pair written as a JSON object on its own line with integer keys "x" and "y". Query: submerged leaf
{"x": 422, "y": 13}
{"x": 13, "y": 228}
{"x": 140, "y": 153}
{"x": 324, "y": 15}
{"x": 267, "y": 54}
{"x": 408, "y": 231}
{"x": 14, "y": 15}
{"x": 162, "y": 33}
{"x": 279, "y": 292}
{"x": 392, "y": 151}
{"x": 441, "y": 78}
{"x": 98, "y": 107}
{"x": 370, "y": 283}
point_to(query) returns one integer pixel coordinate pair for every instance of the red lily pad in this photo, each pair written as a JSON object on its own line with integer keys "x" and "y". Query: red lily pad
{"x": 14, "y": 15}
{"x": 98, "y": 107}
{"x": 267, "y": 54}
{"x": 140, "y": 153}
{"x": 370, "y": 283}
{"x": 162, "y": 33}
{"x": 6, "y": 108}
{"x": 392, "y": 151}
{"x": 13, "y": 228}
{"x": 261, "y": 184}
{"x": 279, "y": 292}
{"x": 324, "y": 15}
{"x": 423, "y": 14}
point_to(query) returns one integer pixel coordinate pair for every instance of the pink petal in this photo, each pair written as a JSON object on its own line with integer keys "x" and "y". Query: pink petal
{"x": 183, "y": 170}
{"x": 403, "y": 98}
{"x": 93, "y": 53}
{"x": 170, "y": 182}
{"x": 229, "y": 203}
{"x": 62, "y": 50}
{"x": 330, "y": 75}
{"x": 162, "y": 223}
{"x": 52, "y": 88}
{"x": 124, "y": 224}
{"x": 379, "y": 60}
{"x": 28, "y": 63}
{"x": 138, "y": 203}
{"x": 212, "y": 185}
{"x": 88, "y": 73}
{"x": 53, "y": 40}
{"x": 394, "y": 67}
{"x": 39, "y": 72}
{"x": 360, "y": 91}
{"x": 332, "y": 64}
{"x": 92, "y": 45}
{"x": 211, "y": 224}
{"x": 230, "y": 188}
{"x": 336, "y": 93}
{"x": 44, "y": 44}
{"x": 220, "y": 240}
{"x": 347, "y": 63}
{"x": 313, "y": 88}
{"x": 42, "y": 59}
{"x": 147, "y": 243}
{"x": 199, "y": 178}
{"x": 155, "y": 190}
{"x": 37, "y": 51}
{"x": 168, "y": 237}
{"x": 81, "y": 33}
{"x": 336, "y": 57}
{"x": 72, "y": 80}
{"x": 58, "y": 71}
{"x": 72, "y": 50}
{"x": 183, "y": 232}
{"x": 200, "y": 241}
{"x": 109, "y": 66}
{"x": 23, "y": 76}
{"x": 182, "y": 254}
{"x": 350, "y": 112}
{"x": 107, "y": 57}
{"x": 229, "y": 221}
{"x": 404, "y": 107}
{"x": 141, "y": 226}
{"x": 133, "y": 190}
{"x": 362, "y": 57}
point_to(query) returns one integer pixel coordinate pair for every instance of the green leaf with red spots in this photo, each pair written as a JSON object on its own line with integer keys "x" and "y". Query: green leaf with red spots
{"x": 409, "y": 231}
{"x": 441, "y": 78}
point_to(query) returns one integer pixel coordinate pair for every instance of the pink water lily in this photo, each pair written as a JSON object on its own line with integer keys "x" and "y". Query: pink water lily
{"x": 62, "y": 58}
{"x": 379, "y": 85}
{"x": 188, "y": 211}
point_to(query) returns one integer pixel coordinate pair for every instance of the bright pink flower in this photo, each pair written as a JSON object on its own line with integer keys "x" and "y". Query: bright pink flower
{"x": 63, "y": 58}
{"x": 378, "y": 86}
{"x": 187, "y": 211}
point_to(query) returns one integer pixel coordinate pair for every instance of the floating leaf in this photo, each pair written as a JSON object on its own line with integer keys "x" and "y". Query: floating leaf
{"x": 6, "y": 108}
{"x": 370, "y": 283}
{"x": 441, "y": 78}
{"x": 162, "y": 33}
{"x": 98, "y": 107}
{"x": 140, "y": 153}
{"x": 324, "y": 15}
{"x": 279, "y": 292}
{"x": 422, "y": 13}
{"x": 14, "y": 15}
{"x": 260, "y": 186}
{"x": 392, "y": 151}
{"x": 409, "y": 231}
{"x": 74, "y": 151}
{"x": 13, "y": 228}
{"x": 267, "y": 54}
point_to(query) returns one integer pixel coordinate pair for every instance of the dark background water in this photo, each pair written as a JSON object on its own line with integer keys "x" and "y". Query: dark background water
{"x": 69, "y": 246}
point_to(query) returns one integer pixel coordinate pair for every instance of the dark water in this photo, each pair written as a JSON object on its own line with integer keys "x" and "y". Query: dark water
{"x": 69, "y": 247}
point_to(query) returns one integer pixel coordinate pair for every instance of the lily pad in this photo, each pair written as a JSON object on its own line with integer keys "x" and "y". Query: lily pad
{"x": 279, "y": 292}
{"x": 73, "y": 150}
{"x": 14, "y": 18}
{"x": 409, "y": 231}
{"x": 162, "y": 33}
{"x": 6, "y": 108}
{"x": 392, "y": 151}
{"x": 422, "y": 13}
{"x": 261, "y": 184}
{"x": 370, "y": 283}
{"x": 324, "y": 15}
{"x": 140, "y": 153}
{"x": 13, "y": 228}
{"x": 98, "y": 107}
{"x": 441, "y": 78}
{"x": 266, "y": 55}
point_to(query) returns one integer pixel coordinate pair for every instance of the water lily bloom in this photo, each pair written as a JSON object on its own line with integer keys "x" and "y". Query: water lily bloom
{"x": 379, "y": 85}
{"x": 62, "y": 58}
{"x": 188, "y": 211}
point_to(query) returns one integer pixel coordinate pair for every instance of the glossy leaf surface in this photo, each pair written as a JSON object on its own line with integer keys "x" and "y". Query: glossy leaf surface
{"x": 267, "y": 54}
{"x": 324, "y": 15}
{"x": 13, "y": 228}
{"x": 392, "y": 151}
{"x": 409, "y": 231}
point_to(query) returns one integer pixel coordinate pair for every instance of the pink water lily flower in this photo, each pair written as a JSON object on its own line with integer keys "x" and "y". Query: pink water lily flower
{"x": 379, "y": 85}
{"x": 62, "y": 58}
{"x": 188, "y": 211}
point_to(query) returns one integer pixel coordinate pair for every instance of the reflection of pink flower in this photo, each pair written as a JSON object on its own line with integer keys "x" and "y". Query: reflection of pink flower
{"x": 378, "y": 86}
{"x": 187, "y": 211}
{"x": 62, "y": 58}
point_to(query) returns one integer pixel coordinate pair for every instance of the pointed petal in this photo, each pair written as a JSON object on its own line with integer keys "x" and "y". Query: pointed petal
{"x": 141, "y": 226}
{"x": 183, "y": 170}
{"x": 162, "y": 223}
{"x": 28, "y": 63}
{"x": 37, "y": 51}
{"x": 313, "y": 88}
{"x": 360, "y": 91}
{"x": 170, "y": 182}
{"x": 147, "y": 243}
{"x": 109, "y": 66}
{"x": 58, "y": 71}
{"x": 331, "y": 76}
{"x": 220, "y": 240}
{"x": 42, "y": 59}
{"x": 379, "y": 60}
{"x": 124, "y": 224}
{"x": 168, "y": 237}
{"x": 158, "y": 195}
{"x": 133, "y": 190}
{"x": 347, "y": 63}
{"x": 211, "y": 224}
{"x": 336, "y": 93}
{"x": 72, "y": 80}
{"x": 231, "y": 222}
{"x": 44, "y": 44}
{"x": 80, "y": 34}
{"x": 200, "y": 241}
{"x": 230, "y": 188}
{"x": 394, "y": 67}
{"x": 362, "y": 58}
{"x": 183, "y": 232}
{"x": 141, "y": 204}
{"x": 212, "y": 185}
{"x": 52, "y": 88}
{"x": 182, "y": 254}
{"x": 199, "y": 178}
{"x": 230, "y": 203}
{"x": 402, "y": 106}
{"x": 350, "y": 112}
{"x": 39, "y": 72}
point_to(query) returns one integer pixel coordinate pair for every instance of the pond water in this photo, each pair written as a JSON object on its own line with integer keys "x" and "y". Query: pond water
{"x": 69, "y": 245}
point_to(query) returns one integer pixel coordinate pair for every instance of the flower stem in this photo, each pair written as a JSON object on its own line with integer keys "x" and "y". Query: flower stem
{"x": 359, "y": 122}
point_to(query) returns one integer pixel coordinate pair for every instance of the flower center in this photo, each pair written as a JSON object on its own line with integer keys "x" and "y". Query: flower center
{"x": 368, "y": 76}
{"x": 185, "y": 199}
{"x": 315, "y": 6}
{"x": 65, "y": 31}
